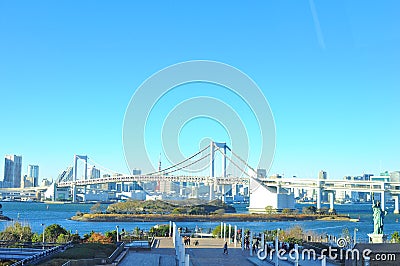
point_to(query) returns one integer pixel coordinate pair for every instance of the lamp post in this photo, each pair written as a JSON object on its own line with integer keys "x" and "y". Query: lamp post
{"x": 44, "y": 226}
{"x": 277, "y": 247}
{"x": 117, "y": 233}
{"x": 355, "y": 236}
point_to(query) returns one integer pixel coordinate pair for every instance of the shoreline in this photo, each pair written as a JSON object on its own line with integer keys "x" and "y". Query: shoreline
{"x": 206, "y": 218}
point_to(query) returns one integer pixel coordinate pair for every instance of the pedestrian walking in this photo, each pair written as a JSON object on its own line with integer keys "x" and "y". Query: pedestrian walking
{"x": 226, "y": 248}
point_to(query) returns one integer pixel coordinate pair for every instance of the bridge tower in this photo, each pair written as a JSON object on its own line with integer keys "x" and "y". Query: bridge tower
{"x": 75, "y": 175}
{"x": 212, "y": 150}
{"x": 222, "y": 147}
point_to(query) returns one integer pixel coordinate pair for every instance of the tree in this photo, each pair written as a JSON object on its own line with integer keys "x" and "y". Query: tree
{"x": 37, "y": 238}
{"x": 286, "y": 211}
{"x": 96, "y": 208}
{"x": 99, "y": 238}
{"x": 309, "y": 210}
{"x": 269, "y": 210}
{"x": 52, "y": 232}
{"x": 293, "y": 235}
{"x": 217, "y": 231}
{"x": 62, "y": 238}
{"x": 111, "y": 235}
{"x": 17, "y": 233}
{"x": 323, "y": 210}
{"x": 396, "y": 237}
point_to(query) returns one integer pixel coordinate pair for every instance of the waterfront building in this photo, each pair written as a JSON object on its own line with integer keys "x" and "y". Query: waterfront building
{"x": 395, "y": 176}
{"x": 27, "y": 181}
{"x": 33, "y": 174}
{"x": 275, "y": 197}
{"x": 133, "y": 195}
{"x": 275, "y": 176}
{"x": 45, "y": 182}
{"x": 12, "y": 171}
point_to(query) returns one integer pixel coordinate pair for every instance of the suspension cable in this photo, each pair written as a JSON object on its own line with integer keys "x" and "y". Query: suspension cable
{"x": 187, "y": 159}
{"x": 202, "y": 158}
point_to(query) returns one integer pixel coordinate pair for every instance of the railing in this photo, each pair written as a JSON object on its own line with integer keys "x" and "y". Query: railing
{"x": 68, "y": 263}
{"x": 116, "y": 252}
{"x": 181, "y": 257}
{"x": 42, "y": 255}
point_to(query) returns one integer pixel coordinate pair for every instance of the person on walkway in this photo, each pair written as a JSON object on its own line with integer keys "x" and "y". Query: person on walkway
{"x": 226, "y": 248}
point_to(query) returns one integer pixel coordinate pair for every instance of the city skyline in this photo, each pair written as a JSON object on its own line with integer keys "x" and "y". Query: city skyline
{"x": 329, "y": 73}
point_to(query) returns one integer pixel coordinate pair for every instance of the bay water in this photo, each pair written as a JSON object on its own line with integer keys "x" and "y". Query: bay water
{"x": 36, "y": 214}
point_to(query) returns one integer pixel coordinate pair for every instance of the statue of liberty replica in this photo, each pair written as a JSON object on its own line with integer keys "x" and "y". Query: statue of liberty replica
{"x": 378, "y": 215}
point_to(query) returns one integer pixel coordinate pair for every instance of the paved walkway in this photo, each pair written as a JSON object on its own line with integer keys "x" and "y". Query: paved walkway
{"x": 209, "y": 252}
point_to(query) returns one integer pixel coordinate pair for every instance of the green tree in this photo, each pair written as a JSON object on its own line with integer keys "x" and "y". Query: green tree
{"x": 17, "y": 233}
{"x": 52, "y": 232}
{"x": 37, "y": 238}
{"x": 96, "y": 208}
{"x": 63, "y": 238}
{"x": 396, "y": 237}
{"x": 309, "y": 210}
{"x": 179, "y": 210}
{"x": 217, "y": 231}
{"x": 111, "y": 235}
{"x": 323, "y": 210}
{"x": 269, "y": 210}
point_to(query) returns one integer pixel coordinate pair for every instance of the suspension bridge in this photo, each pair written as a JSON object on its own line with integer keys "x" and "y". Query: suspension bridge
{"x": 234, "y": 171}
{"x": 199, "y": 171}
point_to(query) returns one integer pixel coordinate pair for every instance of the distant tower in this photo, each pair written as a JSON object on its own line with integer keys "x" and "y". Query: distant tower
{"x": 322, "y": 175}
{"x": 158, "y": 186}
{"x": 159, "y": 163}
{"x": 33, "y": 173}
{"x": 12, "y": 171}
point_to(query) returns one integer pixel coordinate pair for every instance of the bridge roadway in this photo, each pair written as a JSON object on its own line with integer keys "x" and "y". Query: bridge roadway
{"x": 328, "y": 185}
{"x": 155, "y": 178}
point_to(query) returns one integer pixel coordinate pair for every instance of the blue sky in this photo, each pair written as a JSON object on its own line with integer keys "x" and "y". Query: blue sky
{"x": 329, "y": 69}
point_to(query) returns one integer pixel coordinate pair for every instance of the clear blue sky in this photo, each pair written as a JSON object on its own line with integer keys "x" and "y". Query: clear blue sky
{"x": 329, "y": 69}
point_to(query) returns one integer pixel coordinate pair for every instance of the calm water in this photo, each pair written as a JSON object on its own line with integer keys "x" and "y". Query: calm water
{"x": 35, "y": 214}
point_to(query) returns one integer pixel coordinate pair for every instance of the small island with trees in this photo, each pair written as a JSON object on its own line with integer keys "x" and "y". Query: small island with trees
{"x": 194, "y": 210}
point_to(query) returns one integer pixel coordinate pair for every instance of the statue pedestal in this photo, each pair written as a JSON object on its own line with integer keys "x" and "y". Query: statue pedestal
{"x": 377, "y": 238}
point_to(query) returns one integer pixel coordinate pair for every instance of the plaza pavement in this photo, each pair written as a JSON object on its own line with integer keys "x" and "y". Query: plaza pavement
{"x": 209, "y": 252}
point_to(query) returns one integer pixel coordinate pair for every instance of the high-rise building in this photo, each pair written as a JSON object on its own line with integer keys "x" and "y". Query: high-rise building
{"x": 93, "y": 172}
{"x": 33, "y": 172}
{"x": 136, "y": 171}
{"x": 12, "y": 171}
{"x": 322, "y": 175}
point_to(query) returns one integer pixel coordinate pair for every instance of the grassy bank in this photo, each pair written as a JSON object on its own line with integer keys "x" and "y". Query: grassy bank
{"x": 81, "y": 251}
{"x": 204, "y": 218}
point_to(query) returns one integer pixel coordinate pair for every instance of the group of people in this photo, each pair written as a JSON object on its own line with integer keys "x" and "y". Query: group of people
{"x": 186, "y": 240}
{"x": 255, "y": 245}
